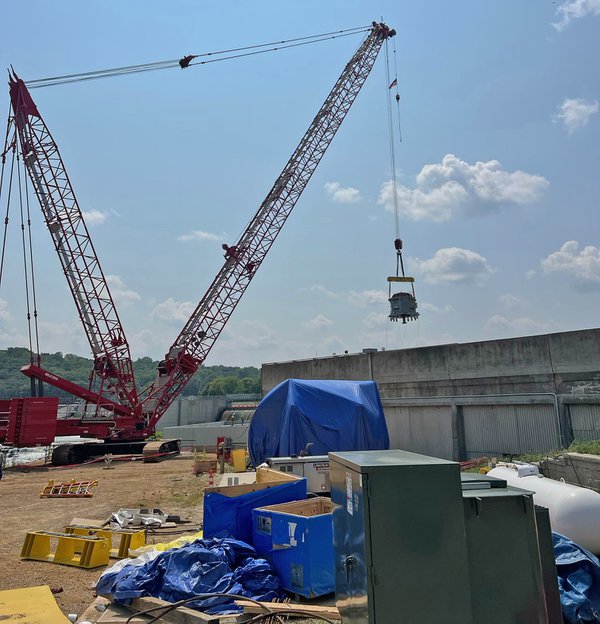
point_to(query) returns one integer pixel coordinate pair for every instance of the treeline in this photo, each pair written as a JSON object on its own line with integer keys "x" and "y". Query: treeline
{"x": 208, "y": 380}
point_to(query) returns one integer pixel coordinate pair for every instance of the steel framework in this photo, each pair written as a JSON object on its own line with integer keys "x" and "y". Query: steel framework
{"x": 134, "y": 416}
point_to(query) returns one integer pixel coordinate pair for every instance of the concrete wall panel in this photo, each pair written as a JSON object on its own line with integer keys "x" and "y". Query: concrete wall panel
{"x": 496, "y": 430}
{"x": 421, "y": 429}
{"x": 585, "y": 421}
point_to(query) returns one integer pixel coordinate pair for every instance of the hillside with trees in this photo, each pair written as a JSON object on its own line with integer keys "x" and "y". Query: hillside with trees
{"x": 208, "y": 380}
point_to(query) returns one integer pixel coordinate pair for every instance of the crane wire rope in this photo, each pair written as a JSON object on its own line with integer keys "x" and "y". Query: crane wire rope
{"x": 7, "y": 147}
{"x": 32, "y": 265}
{"x": 187, "y": 60}
{"x": 25, "y": 267}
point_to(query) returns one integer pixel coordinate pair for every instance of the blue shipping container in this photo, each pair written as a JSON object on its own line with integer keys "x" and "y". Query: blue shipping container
{"x": 297, "y": 539}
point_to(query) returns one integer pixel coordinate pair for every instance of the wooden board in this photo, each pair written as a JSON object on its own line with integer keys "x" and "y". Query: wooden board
{"x": 116, "y": 614}
{"x": 279, "y": 607}
{"x": 87, "y": 522}
{"x": 265, "y": 478}
{"x": 307, "y": 508}
{"x": 92, "y": 614}
{"x": 181, "y": 615}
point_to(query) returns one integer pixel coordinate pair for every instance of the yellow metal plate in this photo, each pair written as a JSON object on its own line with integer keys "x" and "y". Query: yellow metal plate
{"x": 34, "y": 605}
{"x": 400, "y": 279}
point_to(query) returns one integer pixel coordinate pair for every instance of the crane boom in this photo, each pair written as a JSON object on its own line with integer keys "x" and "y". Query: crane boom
{"x": 133, "y": 417}
{"x": 88, "y": 285}
{"x": 242, "y": 260}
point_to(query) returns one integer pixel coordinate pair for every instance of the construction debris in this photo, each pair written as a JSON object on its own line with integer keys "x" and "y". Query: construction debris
{"x": 284, "y": 607}
{"x": 139, "y": 517}
{"x": 69, "y": 489}
{"x": 202, "y": 567}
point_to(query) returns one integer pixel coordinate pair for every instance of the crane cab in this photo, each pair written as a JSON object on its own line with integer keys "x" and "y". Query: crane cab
{"x": 403, "y": 305}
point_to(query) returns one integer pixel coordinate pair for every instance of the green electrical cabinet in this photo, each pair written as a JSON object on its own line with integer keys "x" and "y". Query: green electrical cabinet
{"x": 507, "y": 582}
{"x": 399, "y": 539}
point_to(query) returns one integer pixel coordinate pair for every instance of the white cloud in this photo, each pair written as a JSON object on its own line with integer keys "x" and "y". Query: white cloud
{"x": 5, "y": 314}
{"x": 583, "y": 265}
{"x": 334, "y": 344}
{"x": 520, "y": 325}
{"x": 366, "y": 297}
{"x": 342, "y": 194}
{"x": 531, "y": 274}
{"x": 321, "y": 290}
{"x": 357, "y": 298}
{"x": 574, "y": 9}
{"x": 375, "y": 320}
{"x": 444, "y": 190}
{"x": 120, "y": 292}
{"x": 94, "y": 217}
{"x": 171, "y": 310}
{"x": 509, "y": 300}
{"x": 199, "y": 235}
{"x": 452, "y": 265}
{"x": 318, "y": 322}
{"x": 575, "y": 113}
{"x": 429, "y": 307}
{"x": 255, "y": 336}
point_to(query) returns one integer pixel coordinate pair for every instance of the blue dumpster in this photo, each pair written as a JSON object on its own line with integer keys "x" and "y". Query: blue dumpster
{"x": 297, "y": 539}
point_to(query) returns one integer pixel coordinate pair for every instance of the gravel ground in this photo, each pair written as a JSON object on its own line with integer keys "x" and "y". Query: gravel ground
{"x": 169, "y": 485}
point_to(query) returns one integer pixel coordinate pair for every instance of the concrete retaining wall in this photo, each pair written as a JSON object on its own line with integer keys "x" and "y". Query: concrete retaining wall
{"x": 575, "y": 468}
{"x": 458, "y": 401}
{"x": 205, "y": 435}
{"x": 564, "y": 363}
{"x": 193, "y": 410}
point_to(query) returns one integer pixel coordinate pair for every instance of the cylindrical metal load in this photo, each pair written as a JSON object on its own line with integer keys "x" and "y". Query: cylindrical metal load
{"x": 574, "y": 511}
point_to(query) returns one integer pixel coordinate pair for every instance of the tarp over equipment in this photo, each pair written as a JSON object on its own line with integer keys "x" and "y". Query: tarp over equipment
{"x": 332, "y": 415}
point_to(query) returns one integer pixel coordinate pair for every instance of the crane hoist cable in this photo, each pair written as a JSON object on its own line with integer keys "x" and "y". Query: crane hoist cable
{"x": 187, "y": 61}
{"x": 403, "y": 305}
{"x": 9, "y": 146}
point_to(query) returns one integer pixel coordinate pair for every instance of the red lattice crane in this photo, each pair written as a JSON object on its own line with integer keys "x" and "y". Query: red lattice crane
{"x": 131, "y": 416}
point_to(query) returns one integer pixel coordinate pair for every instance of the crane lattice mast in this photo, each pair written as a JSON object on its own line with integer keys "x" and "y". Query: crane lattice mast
{"x": 63, "y": 216}
{"x": 134, "y": 416}
{"x": 242, "y": 260}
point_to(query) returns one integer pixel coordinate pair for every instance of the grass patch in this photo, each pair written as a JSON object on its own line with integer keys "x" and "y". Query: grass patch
{"x": 587, "y": 447}
{"x": 591, "y": 447}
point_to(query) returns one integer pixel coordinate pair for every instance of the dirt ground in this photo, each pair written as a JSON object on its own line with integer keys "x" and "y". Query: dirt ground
{"x": 169, "y": 485}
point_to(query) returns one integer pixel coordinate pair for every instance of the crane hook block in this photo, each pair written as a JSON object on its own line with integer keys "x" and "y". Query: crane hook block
{"x": 403, "y": 306}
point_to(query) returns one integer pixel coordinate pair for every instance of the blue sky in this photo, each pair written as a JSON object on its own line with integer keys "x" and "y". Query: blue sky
{"x": 498, "y": 185}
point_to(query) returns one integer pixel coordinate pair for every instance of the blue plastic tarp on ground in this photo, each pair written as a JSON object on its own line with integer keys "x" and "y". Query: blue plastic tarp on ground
{"x": 578, "y": 581}
{"x": 332, "y": 415}
{"x": 232, "y": 515}
{"x": 201, "y": 567}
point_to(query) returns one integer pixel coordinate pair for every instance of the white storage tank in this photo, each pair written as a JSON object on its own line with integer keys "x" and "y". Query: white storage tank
{"x": 574, "y": 511}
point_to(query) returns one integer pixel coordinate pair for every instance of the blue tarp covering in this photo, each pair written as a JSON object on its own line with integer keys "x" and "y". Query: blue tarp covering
{"x": 332, "y": 415}
{"x": 201, "y": 567}
{"x": 232, "y": 515}
{"x": 578, "y": 581}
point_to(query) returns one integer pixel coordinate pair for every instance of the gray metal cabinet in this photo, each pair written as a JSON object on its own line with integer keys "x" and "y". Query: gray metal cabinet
{"x": 399, "y": 539}
{"x": 504, "y": 558}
